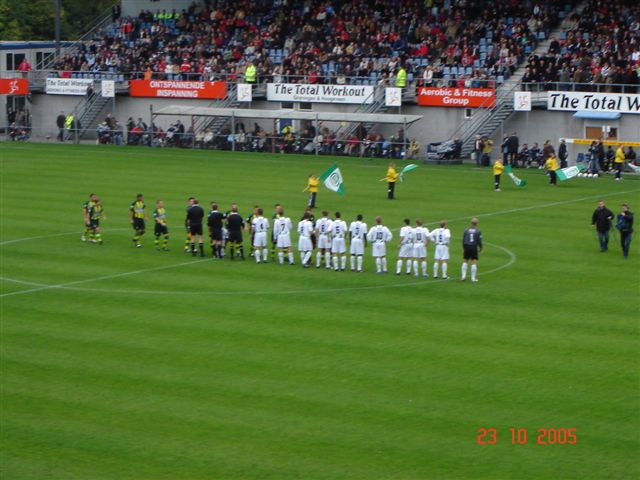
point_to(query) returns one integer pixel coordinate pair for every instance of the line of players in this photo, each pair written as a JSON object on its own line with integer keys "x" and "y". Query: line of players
{"x": 326, "y": 235}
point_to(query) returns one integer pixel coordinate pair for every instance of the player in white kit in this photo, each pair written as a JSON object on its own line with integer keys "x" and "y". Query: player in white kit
{"x": 305, "y": 247}
{"x": 282, "y": 232}
{"x": 441, "y": 237}
{"x": 378, "y": 236}
{"x": 358, "y": 239}
{"x": 420, "y": 239}
{"x": 338, "y": 244}
{"x": 323, "y": 227}
{"x": 259, "y": 228}
{"x": 405, "y": 247}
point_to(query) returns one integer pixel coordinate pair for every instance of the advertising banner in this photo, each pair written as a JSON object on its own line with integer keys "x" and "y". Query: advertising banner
{"x": 14, "y": 86}
{"x": 300, "y": 92}
{"x": 594, "y": 102}
{"x": 456, "y": 97}
{"x": 177, "y": 89}
{"x": 67, "y": 86}
{"x": 393, "y": 97}
{"x": 522, "y": 101}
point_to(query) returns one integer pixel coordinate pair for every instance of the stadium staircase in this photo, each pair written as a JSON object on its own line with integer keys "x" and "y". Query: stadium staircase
{"x": 216, "y": 124}
{"x": 378, "y": 106}
{"x": 88, "y": 110}
{"x": 487, "y": 119}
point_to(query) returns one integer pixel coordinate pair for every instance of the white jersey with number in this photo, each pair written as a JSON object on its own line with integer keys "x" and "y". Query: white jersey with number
{"x": 338, "y": 232}
{"x": 441, "y": 237}
{"x": 260, "y": 226}
{"x": 323, "y": 227}
{"x": 420, "y": 238}
{"x": 406, "y": 242}
{"x": 305, "y": 229}
{"x": 358, "y": 232}
{"x": 379, "y": 235}
{"x": 282, "y": 231}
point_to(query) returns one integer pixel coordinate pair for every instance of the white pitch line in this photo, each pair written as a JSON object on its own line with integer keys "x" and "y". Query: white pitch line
{"x": 63, "y": 234}
{"x": 68, "y": 286}
{"x": 105, "y": 277}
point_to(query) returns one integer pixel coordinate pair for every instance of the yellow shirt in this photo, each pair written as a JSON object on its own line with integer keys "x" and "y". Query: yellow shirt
{"x": 619, "y": 156}
{"x": 137, "y": 209}
{"x": 551, "y": 164}
{"x": 392, "y": 175}
{"x": 312, "y": 185}
{"x": 498, "y": 168}
{"x": 487, "y": 146}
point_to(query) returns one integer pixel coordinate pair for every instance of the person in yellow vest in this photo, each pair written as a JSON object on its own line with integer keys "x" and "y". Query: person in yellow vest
{"x": 618, "y": 162}
{"x": 391, "y": 177}
{"x": 487, "y": 147}
{"x": 401, "y": 78}
{"x": 551, "y": 165}
{"x": 250, "y": 73}
{"x": 498, "y": 168}
{"x": 312, "y": 187}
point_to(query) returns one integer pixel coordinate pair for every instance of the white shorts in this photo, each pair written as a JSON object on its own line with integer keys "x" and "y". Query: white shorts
{"x": 357, "y": 247}
{"x": 338, "y": 246}
{"x": 324, "y": 241}
{"x": 379, "y": 249}
{"x": 419, "y": 250}
{"x": 442, "y": 252}
{"x": 406, "y": 250}
{"x": 260, "y": 239}
{"x": 304, "y": 244}
{"x": 284, "y": 241}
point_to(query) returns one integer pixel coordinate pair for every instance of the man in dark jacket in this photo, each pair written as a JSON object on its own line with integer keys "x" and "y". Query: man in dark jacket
{"x": 60, "y": 124}
{"x": 513, "y": 143}
{"x": 624, "y": 223}
{"x": 601, "y": 221}
{"x": 563, "y": 154}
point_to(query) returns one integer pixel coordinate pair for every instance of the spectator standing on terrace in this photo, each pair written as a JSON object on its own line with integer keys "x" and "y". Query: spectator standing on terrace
{"x": 250, "y": 73}
{"x": 563, "y": 154}
{"x": 60, "y": 122}
{"x": 478, "y": 147}
{"x": 401, "y": 78}
{"x": 24, "y": 67}
{"x": 513, "y": 143}
{"x": 624, "y": 223}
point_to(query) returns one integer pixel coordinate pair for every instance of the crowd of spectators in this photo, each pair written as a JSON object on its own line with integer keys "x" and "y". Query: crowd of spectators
{"x": 600, "y": 50}
{"x": 452, "y": 41}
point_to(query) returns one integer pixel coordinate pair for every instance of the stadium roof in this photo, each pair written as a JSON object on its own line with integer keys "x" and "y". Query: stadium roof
{"x": 397, "y": 119}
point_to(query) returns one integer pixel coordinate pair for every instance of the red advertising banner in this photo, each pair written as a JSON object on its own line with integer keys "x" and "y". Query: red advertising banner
{"x": 177, "y": 89}
{"x": 14, "y": 86}
{"x": 456, "y": 97}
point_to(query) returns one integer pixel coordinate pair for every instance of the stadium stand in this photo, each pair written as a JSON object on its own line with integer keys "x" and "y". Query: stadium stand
{"x": 437, "y": 41}
{"x": 600, "y": 51}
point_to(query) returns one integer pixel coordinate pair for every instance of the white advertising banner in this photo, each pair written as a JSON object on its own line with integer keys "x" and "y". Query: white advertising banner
{"x": 594, "y": 102}
{"x": 108, "y": 88}
{"x": 393, "y": 97}
{"x": 522, "y": 101}
{"x": 67, "y": 86}
{"x": 245, "y": 94}
{"x": 300, "y": 92}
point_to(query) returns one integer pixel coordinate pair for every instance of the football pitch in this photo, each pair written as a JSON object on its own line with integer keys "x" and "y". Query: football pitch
{"x": 125, "y": 363}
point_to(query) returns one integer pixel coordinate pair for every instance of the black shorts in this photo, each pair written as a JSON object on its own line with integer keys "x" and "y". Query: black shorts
{"x": 235, "y": 236}
{"x": 138, "y": 224}
{"x": 161, "y": 229}
{"x": 195, "y": 229}
{"x": 470, "y": 252}
{"x": 94, "y": 223}
{"x": 216, "y": 234}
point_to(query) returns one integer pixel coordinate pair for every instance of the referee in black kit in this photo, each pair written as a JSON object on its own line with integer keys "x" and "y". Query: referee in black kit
{"x": 235, "y": 225}
{"x": 195, "y": 214}
{"x": 215, "y": 222}
{"x": 471, "y": 245}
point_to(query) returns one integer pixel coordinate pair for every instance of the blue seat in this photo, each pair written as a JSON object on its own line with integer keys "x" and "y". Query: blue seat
{"x": 409, "y": 77}
{"x": 500, "y": 79}
{"x": 580, "y": 158}
{"x": 468, "y": 71}
{"x": 446, "y": 70}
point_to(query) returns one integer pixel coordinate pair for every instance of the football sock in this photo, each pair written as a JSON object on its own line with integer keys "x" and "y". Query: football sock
{"x": 352, "y": 262}
{"x": 444, "y": 269}
{"x": 220, "y": 251}
{"x": 257, "y": 256}
{"x": 214, "y": 250}
{"x": 98, "y": 237}
{"x": 290, "y": 256}
{"x": 335, "y": 263}
{"x": 360, "y": 262}
{"x": 415, "y": 268}
{"x": 165, "y": 242}
{"x": 327, "y": 260}
{"x": 318, "y": 259}
{"x": 378, "y": 264}
{"x": 201, "y": 248}
{"x": 464, "y": 270}
{"x": 231, "y": 253}
{"x": 193, "y": 248}
{"x": 399, "y": 267}
{"x": 265, "y": 254}
{"x": 474, "y": 270}
{"x": 384, "y": 264}
{"x": 307, "y": 257}
{"x": 280, "y": 258}
{"x": 424, "y": 267}
{"x": 156, "y": 242}
{"x": 409, "y": 266}
{"x": 241, "y": 250}
{"x": 435, "y": 269}
{"x": 343, "y": 262}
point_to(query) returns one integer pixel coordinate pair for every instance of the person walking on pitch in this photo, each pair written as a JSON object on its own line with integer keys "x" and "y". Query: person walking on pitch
{"x": 471, "y": 245}
{"x": 498, "y": 168}
{"x": 624, "y": 223}
{"x": 601, "y": 221}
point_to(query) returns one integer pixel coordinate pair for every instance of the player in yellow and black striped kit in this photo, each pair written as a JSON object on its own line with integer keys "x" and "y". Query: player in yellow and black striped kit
{"x": 138, "y": 217}
{"x": 96, "y": 213}
{"x": 161, "y": 229}
{"x": 86, "y": 206}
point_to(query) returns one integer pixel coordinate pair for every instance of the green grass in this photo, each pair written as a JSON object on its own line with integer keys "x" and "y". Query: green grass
{"x": 171, "y": 367}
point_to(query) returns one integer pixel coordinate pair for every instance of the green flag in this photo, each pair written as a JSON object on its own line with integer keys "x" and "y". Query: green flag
{"x": 517, "y": 181}
{"x": 332, "y": 179}
{"x": 408, "y": 168}
{"x": 569, "y": 172}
